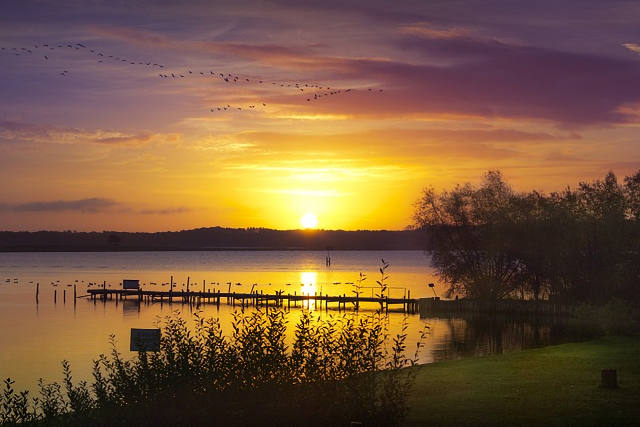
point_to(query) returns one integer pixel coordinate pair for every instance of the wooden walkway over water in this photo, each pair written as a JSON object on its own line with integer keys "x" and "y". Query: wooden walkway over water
{"x": 255, "y": 299}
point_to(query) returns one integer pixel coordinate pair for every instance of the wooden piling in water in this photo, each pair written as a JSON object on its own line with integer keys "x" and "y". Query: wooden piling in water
{"x": 37, "y": 292}
{"x": 275, "y": 299}
{"x": 55, "y": 296}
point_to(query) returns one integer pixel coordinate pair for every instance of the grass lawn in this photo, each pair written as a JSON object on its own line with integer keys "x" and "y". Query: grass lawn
{"x": 551, "y": 386}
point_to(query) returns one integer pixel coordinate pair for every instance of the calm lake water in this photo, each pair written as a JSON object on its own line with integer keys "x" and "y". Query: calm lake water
{"x": 35, "y": 338}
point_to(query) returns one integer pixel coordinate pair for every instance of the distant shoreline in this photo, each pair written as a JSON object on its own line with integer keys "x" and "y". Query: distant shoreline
{"x": 217, "y": 249}
{"x": 212, "y": 239}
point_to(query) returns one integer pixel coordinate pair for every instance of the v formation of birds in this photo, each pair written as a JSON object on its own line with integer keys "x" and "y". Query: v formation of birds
{"x": 310, "y": 92}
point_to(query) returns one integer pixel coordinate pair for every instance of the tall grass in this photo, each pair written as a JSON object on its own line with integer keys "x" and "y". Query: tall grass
{"x": 336, "y": 370}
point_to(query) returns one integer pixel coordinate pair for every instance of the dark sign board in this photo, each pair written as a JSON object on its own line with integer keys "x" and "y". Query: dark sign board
{"x": 145, "y": 340}
{"x": 130, "y": 284}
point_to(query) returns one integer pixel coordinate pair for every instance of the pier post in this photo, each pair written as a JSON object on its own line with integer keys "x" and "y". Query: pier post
{"x": 64, "y": 296}
{"x": 55, "y": 296}
{"x": 37, "y": 292}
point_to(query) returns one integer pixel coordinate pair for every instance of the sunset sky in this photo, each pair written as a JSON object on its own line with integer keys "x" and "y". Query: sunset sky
{"x": 546, "y": 91}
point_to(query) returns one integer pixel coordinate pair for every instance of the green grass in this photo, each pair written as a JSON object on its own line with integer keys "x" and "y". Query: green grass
{"x": 551, "y": 386}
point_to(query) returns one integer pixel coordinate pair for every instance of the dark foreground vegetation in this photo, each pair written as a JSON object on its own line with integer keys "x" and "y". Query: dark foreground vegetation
{"x": 551, "y": 386}
{"x": 578, "y": 246}
{"x": 335, "y": 371}
{"x": 214, "y": 238}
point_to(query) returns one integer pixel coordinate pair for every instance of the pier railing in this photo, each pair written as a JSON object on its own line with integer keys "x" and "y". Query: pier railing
{"x": 255, "y": 299}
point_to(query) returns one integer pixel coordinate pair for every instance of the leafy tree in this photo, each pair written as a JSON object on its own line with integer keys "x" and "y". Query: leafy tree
{"x": 467, "y": 249}
{"x": 489, "y": 242}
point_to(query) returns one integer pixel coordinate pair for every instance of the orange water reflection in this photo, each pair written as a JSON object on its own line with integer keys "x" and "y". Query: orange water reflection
{"x": 35, "y": 338}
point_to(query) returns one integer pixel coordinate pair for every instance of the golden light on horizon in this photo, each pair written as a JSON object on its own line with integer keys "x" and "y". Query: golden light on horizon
{"x": 309, "y": 220}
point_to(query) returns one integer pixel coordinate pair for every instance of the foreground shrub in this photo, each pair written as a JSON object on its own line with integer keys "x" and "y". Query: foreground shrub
{"x": 336, "y": 370}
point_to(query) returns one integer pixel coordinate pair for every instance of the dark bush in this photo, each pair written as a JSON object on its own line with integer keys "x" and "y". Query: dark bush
{"x": 337, "y": 370}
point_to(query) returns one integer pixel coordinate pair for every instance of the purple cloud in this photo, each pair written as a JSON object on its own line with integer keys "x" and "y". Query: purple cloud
{"x": 493, "y": 79}
{"x": 28, "y": 132}
{"x": 455, "y": 74}
{"x": 91, "y": 205}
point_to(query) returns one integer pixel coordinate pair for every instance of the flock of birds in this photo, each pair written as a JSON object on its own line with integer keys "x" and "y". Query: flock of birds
{"x": 309, "y": 91}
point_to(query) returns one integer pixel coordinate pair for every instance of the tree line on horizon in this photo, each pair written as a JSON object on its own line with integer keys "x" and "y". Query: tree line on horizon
{"x": 212, "y": 238}
{"x": 579, "y": 245}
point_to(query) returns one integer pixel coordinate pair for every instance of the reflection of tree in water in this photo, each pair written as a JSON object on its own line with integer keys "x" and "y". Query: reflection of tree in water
{"x": 495, "y": 334}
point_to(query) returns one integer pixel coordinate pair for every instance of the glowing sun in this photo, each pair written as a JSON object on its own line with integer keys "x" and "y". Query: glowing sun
{"x": 309, "y": 220}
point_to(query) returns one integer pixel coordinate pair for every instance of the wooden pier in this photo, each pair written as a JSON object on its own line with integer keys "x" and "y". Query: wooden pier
{"x": 255, "y": 299}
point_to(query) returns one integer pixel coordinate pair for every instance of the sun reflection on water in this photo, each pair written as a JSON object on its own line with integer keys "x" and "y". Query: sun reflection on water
{"x": 308, "y": 282}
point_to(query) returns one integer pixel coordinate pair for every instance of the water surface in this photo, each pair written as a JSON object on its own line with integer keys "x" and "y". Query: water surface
{"x": 34, "y": 338}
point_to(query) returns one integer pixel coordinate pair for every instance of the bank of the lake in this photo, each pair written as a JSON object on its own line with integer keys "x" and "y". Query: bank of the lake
{"x": 555, "y": 385}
